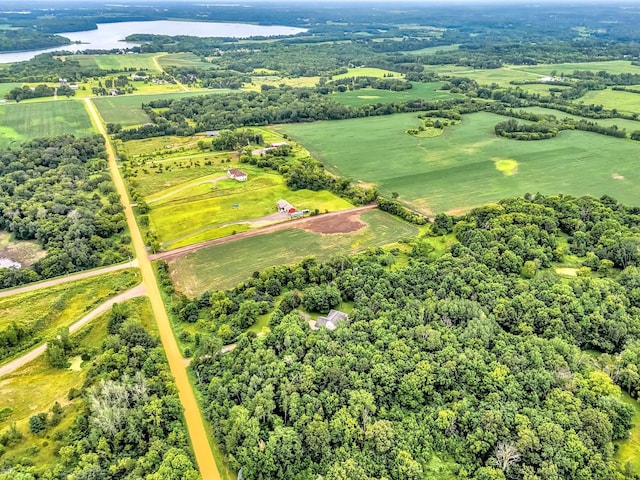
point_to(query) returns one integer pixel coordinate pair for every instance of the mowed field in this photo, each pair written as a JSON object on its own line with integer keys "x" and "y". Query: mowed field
{"x": 127, "y": 109}
{"x": 367, "y": 96}
{"x": 626, "y": 102}
{"x": 224, "y": 266}
{"x": 203, "y": 209}
{"x": 20, "y": 122}
{"x": 469, "y": 165}
{"x": 112, "y": 61}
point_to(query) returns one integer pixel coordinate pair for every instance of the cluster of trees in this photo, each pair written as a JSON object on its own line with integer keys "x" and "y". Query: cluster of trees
{"x": 356, "y": 83}
{"x": 526, "y": 131}
{"x": 476, "y": 356}
{"x": 130, "y": 421}
{"x": 56, "y": 191}
{"x": 24, "y": 93}
{"x": 12, "y": 40}
{"x": 236, "y": 139}
{"x": 45, "y": 67}
{"x": 396, "y": 208}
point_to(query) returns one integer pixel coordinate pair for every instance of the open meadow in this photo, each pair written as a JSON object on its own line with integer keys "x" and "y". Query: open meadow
{"x": 367, "y": 96}
{"x": 626, "y": 102}
{"x": 17, "y": 399}
{"x": 20, "y": 122}
{"x": 367, "y": 72}
{"x": 224, "y": 266}
{"x": 113, "y": 61}
{"x": 468, "y": 165}
{"x": 42, "y": 312}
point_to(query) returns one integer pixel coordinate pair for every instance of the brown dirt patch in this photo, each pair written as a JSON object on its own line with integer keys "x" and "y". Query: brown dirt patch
{"x": 346, "y": 223}
{"x": 617, "y": 176}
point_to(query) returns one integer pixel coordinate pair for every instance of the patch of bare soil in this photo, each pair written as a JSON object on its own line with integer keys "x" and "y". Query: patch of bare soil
{"x": 617, "y": 176}
{"x": 24, "y": 252}
{"x": 346, "y": 223}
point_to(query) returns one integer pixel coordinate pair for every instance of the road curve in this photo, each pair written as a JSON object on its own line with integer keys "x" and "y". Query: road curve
{"x": 67, "y": 278}
{"x": 177, "y": 253}
{"x": 195, "y": 426}
{"x": 20, "y": 362}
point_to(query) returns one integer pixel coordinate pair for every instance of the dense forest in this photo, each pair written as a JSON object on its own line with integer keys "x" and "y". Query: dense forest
{"x": 478, "y": 355}
{"x": 57, "y": 192}
{"x": 130, "y": 422}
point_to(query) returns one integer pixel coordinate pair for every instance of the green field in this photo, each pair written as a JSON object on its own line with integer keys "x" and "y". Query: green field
{"x": 367, "y": 96}
{"x": 460, "y": 169}
{"x": 44, "y": 311}
{"x": 127, "y": 109}
{"x": 53, "y": 384}
{"x": 187, "y": 60}
{"x": 201, "y": 209}
{"x": 626, "y": 102}
{"x": 621, "y": 123}
{"x": 112, "y": 61}
{"x": 224, "y": 266}
{"x": 367, "y": 72}
{"x": 7, "y": 87}
{"x": 26, "y": 121}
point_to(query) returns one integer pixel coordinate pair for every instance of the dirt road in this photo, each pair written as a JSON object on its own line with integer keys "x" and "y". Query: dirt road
{"x": 177, "y": 253}
{"x": 68, "y": 278}
{"x": 14, "y": 365}
{"x": 195, "y": 426}
{"x": 159, "y": 67}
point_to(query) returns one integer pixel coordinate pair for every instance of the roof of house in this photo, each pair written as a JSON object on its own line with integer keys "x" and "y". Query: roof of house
{"x": 332, "y": 319}
{"x": 236, "y": 173}
{"x": 284, "y": 205}
{"x": 279, "y": 144}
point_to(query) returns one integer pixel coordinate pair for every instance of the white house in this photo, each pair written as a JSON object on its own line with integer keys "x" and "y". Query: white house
{"x": 236, "y": 174}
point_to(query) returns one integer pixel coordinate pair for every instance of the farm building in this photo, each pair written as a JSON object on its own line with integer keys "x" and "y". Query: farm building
{"x": 212, "y": 133}
{"x": 278, "y": 144}
{"x": 331, "y": 321}
{"x": 236, "y": 174}
{"x": 285, "y": 207}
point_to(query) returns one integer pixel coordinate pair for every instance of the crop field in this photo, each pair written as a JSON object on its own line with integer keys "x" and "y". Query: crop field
{"x": 53, "y": 384}
{"x": 26, "y": 121}
{"x": 367, "y": 96}
{"x": 622, "y": 123}
{"x": 367, "y": 72}
{"x": 614, "y": 66}
{"x": 201, "y": 208}
{"x": 468, "y": 165}
{"x": 622, "y": 101}
{"x": 187, "y": 60}
{"x": 112, "y": 61}
{"x": 127, "y": 109}
{"x": 224, "y": 266}
{"x": 46, "y": 310}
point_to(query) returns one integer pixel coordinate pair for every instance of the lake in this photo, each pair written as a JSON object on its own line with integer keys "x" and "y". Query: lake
{"x": 110, "y": 35}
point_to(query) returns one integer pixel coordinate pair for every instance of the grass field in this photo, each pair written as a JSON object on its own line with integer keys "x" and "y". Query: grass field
{"x": 112, "y": 61}
{"x": 7, "y": 87}
{"x": 628, "y": 450}
{"x": 432, "y": 50}
{"x": 44, "y": 311}
{"x": 626, "y": 102}
{"x": 20, "y": 122}
{"x": 187, "y": 60}
{"x": 457, "y": 170}
{"x": 200, "y": 208}
{"x": 367, "y": 96}
{"x": 367, "y": 72}
{"x": 127, "y": 109}
{"x": 53, "y": 384}
{"x": 628, "y": 125}
{"x": 224, "y": 266}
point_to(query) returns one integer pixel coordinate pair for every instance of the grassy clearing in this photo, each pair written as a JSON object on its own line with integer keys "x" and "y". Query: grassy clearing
{"x": 433, "y": 50}
{"x": 615, "y": 66}
{"x": 200, "y": 206}
{"x": 51, "y": 385}
{"x": 44, "y": 311}
{"x": 456, "y": 171}
{"x": 367, "y": 96}
{"x": 628, "y": 450}
{"x": 367, "y": 72}
{"x": 224, "y": 266}
{"x": 276, "y": 80}
{"x": 26, "y": 121}
{"x": 7, "y": 87}
{"x": 159, "y": 147}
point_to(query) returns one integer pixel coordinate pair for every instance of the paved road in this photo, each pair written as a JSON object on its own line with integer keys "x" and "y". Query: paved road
{"x": 68, "y": 278}
{"x": 20, "y": 362}
{"x": 177, "y": 253}
{"x": 195, "y": 426}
